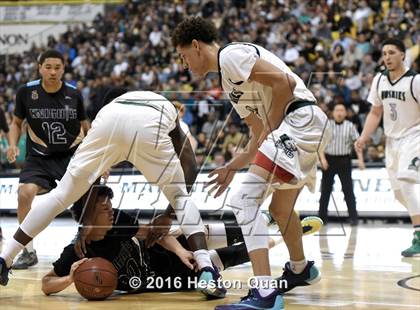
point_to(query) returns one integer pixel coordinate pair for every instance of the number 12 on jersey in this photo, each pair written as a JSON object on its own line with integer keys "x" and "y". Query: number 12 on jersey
{"x": 55, "y": 132}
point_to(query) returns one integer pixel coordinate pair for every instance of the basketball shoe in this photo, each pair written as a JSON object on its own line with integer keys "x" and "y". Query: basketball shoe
{"x": 210, "y": 283}
{"x": 254, "y": 300}
{"x": 414, "y": 249}
{"x": 4, "y": 272}
{"x": 289, "y": 279}
{"x": 25, "y": 260}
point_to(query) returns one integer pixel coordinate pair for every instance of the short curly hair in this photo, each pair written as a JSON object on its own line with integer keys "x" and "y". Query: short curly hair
{"x": 192, "y": 28}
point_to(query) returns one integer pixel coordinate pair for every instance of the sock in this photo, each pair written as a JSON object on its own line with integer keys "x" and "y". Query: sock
{"x": 233, "y": 233}
{"x": 264, "y": 285}
{"x": 202, "y": 257}
{"x": 215, "y": 259}
{"x": 416, "y": 228}
{"x": 10, "y": 251}
{"x": 30, "y": 246}
{"x": 298, "y": 266}
{"x": 216, "y": 235}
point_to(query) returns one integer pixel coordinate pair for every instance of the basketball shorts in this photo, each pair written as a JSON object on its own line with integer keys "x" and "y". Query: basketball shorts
{"x": 295, "y": 146}
{"x": 402, "y": 158}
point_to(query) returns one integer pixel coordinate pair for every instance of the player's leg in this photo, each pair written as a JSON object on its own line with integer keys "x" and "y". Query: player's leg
{"x": 26, "y": 194}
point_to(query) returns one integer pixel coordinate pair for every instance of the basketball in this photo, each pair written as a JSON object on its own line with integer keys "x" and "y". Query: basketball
{"x": 96, "y": 279}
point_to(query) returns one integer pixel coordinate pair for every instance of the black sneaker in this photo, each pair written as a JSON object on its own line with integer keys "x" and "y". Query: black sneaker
{"x": 4, "y": 272}
{"x": 289, "y": 279}
{"x": 25, "y": 260}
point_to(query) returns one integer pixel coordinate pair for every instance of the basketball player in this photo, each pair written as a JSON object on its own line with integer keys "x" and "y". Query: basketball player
{"x": 141, "y": 127}
{"x": 168, "y": 260}
{"x": 57, "y": 124}
{"x": 287, "y": 132}
{"x": 395, "y": 95}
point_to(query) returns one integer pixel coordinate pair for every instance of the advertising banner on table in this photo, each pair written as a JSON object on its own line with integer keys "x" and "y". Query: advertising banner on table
{"x": 371, "y": 186}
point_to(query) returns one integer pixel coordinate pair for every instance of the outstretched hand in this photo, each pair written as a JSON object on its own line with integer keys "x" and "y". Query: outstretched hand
{"x": 224, "y": 176}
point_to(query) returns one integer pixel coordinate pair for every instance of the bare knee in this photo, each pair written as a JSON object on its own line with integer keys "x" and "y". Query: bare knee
{"x": 26, "y": 194}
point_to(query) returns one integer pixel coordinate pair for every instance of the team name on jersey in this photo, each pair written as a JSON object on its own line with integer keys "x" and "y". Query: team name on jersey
{"x": 400, "y": 95}
{"x": 65, "y": 114}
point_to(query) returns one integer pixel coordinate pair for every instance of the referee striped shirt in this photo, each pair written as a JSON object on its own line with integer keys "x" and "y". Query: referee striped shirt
{"x": 343, "y": 136}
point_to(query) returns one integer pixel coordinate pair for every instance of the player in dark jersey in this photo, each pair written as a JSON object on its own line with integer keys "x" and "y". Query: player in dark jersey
{"x": 57, "y": 124}
{"x": 171, "y": 260}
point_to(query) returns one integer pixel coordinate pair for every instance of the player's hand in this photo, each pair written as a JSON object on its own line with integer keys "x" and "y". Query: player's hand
{"x": 74, "y": 266}
{"x": 360, "y": 144}
{"x": 159, "y": 228}
{"x": 82, "y": 240}
{"x": 187, "y": 258}
{"x": 11, "y": 153}
{"x": 224, "y": 176}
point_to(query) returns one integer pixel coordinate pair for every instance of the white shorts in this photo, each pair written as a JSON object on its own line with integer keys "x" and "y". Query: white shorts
{"x": 138, "y": 134}
{"x": 402, "y": 158}
{"x": 295, "y": 145}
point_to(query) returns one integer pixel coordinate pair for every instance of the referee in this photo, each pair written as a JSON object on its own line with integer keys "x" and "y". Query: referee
{"x": 337, "y": 160}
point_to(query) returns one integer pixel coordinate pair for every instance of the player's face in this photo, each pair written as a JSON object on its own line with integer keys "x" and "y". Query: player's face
{"x": 192, "y": 57}
{"x": 52, "y": 70}
{"x": 393, "y": 57}
{"x": 104, "y": 213}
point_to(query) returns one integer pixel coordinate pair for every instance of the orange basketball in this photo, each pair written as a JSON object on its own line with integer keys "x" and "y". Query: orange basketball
{"x": 96, "y": 278}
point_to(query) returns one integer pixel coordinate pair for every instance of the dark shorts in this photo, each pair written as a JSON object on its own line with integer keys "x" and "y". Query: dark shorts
{"x": 44, "y": 171}
{"x": 165, "y": 264}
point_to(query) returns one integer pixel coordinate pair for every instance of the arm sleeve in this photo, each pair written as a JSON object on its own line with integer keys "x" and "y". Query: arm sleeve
{"x": 373, "y": 97}
{"x": 20, "y": 108}
{"x": 3, "y": 123}
{"x": 237, "y": 62}
{"x": 62, "y": 266}
{"x": 81, "y": 113}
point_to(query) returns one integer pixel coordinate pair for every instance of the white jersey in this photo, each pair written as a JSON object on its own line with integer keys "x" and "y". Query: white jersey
{"x": 236, "y": 61}
{"x": 400, "y": 100}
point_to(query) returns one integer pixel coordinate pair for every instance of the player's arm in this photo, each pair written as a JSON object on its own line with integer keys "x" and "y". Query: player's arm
{"x": 224, "y": 175}
{"x": 170, "y": 243}
{"x": 372, "y": 122}
{"x": 52, "y": 283}
{"x": 85, "y": 126}
{"x": 13, "y": 138}
{"x": 282, "y": 86}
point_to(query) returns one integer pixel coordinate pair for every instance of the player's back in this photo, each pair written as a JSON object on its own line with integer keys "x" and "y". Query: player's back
{"x": 401, "y": 109}
{"x": 236, "y": 61}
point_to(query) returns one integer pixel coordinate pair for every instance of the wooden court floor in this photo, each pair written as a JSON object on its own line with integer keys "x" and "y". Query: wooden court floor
{"x": 361, "y": 269}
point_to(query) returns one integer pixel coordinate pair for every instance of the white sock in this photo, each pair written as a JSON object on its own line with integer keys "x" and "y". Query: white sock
{"x": 216, "y": 236}
{"x": 298, "y": 266}
{"x": 264, "y": 285}
{"x": 416, "y": 227}
{"x": 30, "y": 246}
{"x": 202, "y": 257}
{"x": 10, "y": 251}
{"x": 215, "y": 259}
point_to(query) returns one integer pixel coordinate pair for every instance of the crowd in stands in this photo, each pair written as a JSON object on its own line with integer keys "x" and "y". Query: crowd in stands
{"x": 333, "y": 45}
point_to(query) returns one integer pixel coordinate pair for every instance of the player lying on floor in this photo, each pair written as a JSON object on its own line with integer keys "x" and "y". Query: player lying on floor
{"x": 112, "y": 239}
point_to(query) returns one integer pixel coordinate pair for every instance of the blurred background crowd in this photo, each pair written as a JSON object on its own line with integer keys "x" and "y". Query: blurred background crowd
{"x": 333, "y": 45}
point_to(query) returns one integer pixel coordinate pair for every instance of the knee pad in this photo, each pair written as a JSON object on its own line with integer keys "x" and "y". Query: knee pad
{"x": 411, "y": 195}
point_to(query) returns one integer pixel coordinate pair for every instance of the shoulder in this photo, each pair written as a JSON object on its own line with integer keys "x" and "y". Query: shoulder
{"x": 236, "y": 51}
{"x": 70, "y": 86}
{"x": 31, "y": 84}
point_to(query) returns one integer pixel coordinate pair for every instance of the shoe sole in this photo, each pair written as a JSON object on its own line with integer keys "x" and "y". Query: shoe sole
{"x": 314, "y": 222}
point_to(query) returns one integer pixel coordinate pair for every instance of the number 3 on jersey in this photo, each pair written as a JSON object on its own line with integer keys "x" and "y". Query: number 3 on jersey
{"x": 56, "y": 132}
{"x": 393, "y": 107}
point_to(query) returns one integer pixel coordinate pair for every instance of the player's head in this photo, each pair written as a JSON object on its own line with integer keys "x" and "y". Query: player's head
{"x": 51, "y": 66}
{"x": 393, "y": 54}
{"x": 103, "y": 202}
{"x": 191, "y": 37}
{"x": 339, "y": 112}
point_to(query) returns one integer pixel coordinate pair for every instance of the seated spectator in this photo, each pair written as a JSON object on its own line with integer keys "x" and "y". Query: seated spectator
{"x": 233, "y": 137}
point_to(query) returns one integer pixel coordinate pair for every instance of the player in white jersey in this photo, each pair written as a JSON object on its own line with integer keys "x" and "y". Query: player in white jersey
{"x": 395, "y": 95}
{"x": 141, "y": 127}
{"x": 288, "y": 129}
